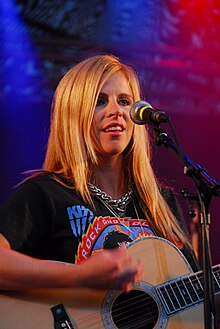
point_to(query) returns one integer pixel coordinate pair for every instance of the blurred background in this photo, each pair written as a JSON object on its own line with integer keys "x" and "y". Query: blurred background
{"x": 173, "y": 45}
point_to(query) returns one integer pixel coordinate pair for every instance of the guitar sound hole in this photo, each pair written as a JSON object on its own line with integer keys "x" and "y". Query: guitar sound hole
{"x": 134, "y": 309}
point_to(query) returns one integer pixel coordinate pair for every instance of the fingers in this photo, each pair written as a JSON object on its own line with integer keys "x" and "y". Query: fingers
{"x": 127, "y": 271}
{"x": 111, "y": 269}
{"x": 133, "y": 273}
{"x": 122, "y": 258}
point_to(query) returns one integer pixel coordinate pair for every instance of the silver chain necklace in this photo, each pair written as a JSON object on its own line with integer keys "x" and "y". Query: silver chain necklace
{"x": 119, "y": 205}
{"x": 116, "y": 207}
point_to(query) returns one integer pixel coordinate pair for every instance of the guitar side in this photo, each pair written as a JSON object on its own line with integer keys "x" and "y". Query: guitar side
{"x": 87, "y": 309}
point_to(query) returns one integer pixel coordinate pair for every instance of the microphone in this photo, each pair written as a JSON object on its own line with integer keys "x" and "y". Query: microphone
{"x": 142, "y": 112}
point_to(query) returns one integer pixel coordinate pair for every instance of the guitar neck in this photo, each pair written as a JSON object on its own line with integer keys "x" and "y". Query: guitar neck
{"x": 186, "y": 291}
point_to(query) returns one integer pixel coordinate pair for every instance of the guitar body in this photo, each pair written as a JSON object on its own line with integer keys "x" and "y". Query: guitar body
{"x": 91, "y": 309}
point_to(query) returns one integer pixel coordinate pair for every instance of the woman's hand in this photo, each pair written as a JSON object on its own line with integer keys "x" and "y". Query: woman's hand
{"x": 110, "y": 269}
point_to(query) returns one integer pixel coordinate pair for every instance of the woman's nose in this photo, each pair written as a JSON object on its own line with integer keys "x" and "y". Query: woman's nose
{"x": 114, "y": 109}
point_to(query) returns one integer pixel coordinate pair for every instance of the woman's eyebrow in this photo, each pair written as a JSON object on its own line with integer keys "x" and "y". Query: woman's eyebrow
{"x": 126, "y": 95}
{"x": 102, "y": 94}
{"x": 121, "y": 95}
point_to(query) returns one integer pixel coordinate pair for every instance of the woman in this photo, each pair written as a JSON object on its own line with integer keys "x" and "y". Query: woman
{"x": 97, "y": 190}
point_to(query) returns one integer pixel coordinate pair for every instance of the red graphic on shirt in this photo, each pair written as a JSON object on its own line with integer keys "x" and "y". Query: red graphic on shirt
{"x": 125, "y": 230}
{"x": 91, "y": 235}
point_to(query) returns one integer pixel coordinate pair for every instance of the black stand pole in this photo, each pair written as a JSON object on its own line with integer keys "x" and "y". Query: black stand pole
{"x": 207, "y": 187}
{"x": 206, "y": 272}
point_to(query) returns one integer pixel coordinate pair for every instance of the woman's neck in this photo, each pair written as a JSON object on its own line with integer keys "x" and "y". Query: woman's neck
{"x": 109, "y": 177}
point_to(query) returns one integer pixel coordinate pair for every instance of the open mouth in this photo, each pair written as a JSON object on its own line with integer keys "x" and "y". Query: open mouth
{"x": 115, "y": 128}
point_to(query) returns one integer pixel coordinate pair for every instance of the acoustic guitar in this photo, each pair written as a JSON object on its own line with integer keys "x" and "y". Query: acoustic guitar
{"x": 169, "y": 296}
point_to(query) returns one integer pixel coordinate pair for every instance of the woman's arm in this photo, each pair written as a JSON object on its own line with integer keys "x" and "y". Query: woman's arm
{"x": 109, "y": 269}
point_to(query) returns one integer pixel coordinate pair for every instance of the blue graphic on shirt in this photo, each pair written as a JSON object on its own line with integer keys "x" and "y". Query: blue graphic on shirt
{"x": 114, "y": 235}
{"x": 79, "y": 217}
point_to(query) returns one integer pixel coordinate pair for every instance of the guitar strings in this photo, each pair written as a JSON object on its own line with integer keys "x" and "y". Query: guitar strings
{"x": 153, "y": 314}
{"x": 135, "y": 311}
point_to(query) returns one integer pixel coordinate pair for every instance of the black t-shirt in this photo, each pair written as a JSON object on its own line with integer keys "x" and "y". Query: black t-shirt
{"x": 48, "y": 220}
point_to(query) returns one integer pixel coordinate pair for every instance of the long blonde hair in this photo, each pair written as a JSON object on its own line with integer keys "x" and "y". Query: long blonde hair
{"x": 70, "y": 150}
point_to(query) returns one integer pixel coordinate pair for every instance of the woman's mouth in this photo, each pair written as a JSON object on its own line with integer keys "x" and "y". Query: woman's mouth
{"x": 114, "y": 128}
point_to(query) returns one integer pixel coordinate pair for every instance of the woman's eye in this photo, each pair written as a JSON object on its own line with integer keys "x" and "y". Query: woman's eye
{"x": 100, "y": 102}
{"x": 125, "y": 102}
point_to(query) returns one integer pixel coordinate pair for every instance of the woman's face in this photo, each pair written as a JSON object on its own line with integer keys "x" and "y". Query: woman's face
{"x": 112, "y": 127}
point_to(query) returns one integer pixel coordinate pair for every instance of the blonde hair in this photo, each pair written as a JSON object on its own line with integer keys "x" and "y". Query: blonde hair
{"x": 70, "y": 150}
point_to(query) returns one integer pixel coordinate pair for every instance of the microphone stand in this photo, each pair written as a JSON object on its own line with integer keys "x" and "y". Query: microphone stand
{"x": 207, "y": 187}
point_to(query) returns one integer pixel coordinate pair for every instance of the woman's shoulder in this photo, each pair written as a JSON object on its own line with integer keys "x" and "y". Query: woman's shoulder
{"x": 41, "y": 188}
{"x": 44, "y": 182}
{"x": 167, "y": 191}
{"x": 172, "y": 199}
{"x": 45, "y": 177}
